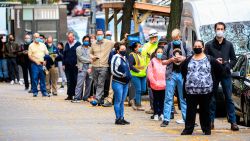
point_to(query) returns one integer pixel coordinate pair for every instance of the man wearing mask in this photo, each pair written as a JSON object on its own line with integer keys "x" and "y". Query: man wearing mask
{"x": 36, "y": 53}
{"x": 223, "y": 50}
{"x": 25, "y": 61}
{"x": 174, "y": 53}
{"x": 69, "y": 63}
{"x": 147, "y": 51}
{"x": 52, "y": 70}
{"x": 99, "y": 52}
{"x": 108, "y": 35}
{"x": 12, "y": 49}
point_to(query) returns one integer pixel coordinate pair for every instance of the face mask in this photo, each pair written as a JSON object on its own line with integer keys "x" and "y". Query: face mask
{"x": 85, "y": 43}
{"x": 99, "y": 37}
{"x": 140, "y": 50}
{"x": 4, "y": 40}
{"x": 11, "y": 39}
{"x": 197, "y": 50}
{"x": 176, "y": 42}
{"x": 27, "y": 41}
{"x": 220, "y": 33}
{"x": 123, "y": 53}
{"x": 108, "y": 37}
{"x": 159, "y": 55}
{"x": 38, "y": 40}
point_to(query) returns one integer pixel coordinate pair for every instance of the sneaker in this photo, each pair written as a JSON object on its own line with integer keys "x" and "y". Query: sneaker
{"x": 139, "y": 108}
{"x": 156, "y": 117}
{"x": 125, "y": 122}
{"x": 152, "y": 117}
{"x": 46, "y": 95}
{"x": 184, "y": 132}
{"x": 26, "y": 89}
{"x": 16, "y": 81}
{"x": 61, "y": 87}
{"x": 107, "y": 104}
{"x": 161, "y": 117}
{"x": 12, "y": 82}
{"x": 181, "y": 121}
{"x": 75, "y": 101}
{"x": 234, "y": 127}
{"x": 30, "y": 91}
{"x": 207, "y": 132}
{"x": 35, "y": 94}
{"x": 164, "y": 123}
{"x": 68, "y": 98}
{"x": 20, "y": 82}
{"x": 54, "y": 94}
{"x": 172, "y": 116}
{"x": 119, "y": 122}
{"x": 212, "y": 125}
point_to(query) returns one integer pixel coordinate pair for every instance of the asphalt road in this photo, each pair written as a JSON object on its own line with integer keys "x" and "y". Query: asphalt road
{"x": 25, "y": 118}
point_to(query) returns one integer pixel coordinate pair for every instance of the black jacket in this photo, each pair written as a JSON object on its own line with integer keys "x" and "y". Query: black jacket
{"x": 217, "y": 71}
{"x": 225, "y": 50}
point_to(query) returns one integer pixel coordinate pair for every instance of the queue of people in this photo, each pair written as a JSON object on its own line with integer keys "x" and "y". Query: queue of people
{"x": 100, "y": 71}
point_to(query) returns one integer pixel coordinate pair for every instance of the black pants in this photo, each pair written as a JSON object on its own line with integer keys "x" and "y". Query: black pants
{"x": 26, "y": 67}
{"x": 13, "y": 69}
{"x": 71, "y": 75}
{"x": 203, "y": 101}
{"x": 158, "y": 102}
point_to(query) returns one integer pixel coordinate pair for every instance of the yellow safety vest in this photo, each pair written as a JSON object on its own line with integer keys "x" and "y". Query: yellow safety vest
{"x": 140, "y": 64}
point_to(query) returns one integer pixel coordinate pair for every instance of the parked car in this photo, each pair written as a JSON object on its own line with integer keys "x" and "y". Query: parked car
{"x": 241, "y": 88}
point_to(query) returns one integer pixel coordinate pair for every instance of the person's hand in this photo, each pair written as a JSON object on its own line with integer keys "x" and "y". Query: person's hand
{"x": 89, "y": 70}
{"x": 219, "y": 60}
{"x": 180, "y": 58}
{"x": 25, "y": 52}
{"x": 44, "y": 63}
{"x": 173, "y": 59}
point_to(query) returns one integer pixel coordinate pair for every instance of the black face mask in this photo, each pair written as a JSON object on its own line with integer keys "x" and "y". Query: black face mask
{"x": 123, "y": 53}
{"x": 197, "y": 50}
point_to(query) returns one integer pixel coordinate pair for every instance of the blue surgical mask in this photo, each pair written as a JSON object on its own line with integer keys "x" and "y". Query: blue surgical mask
{"x": 108, "y": 37}
{"x": 159, "y": 55}
{"x": 39, "y": 40}
{"x": 140, "y": 50}
{"x": 85, "y": 43}
{"x": 99, "y": 37}
{"x": 27, "y": 41}
{"x": 176, "y": 42}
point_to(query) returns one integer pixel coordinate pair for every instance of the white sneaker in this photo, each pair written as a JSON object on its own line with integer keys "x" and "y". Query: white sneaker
{"x": 21, "y": 82}
{"x": 156, "y": 117}
{"x": 180, "y": 121}
{"x": 12, "y": 82}
{"x": 16, "y": 81}
{"x": 161, "y": 117}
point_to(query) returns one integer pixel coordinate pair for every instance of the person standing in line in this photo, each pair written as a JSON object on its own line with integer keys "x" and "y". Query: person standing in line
{"x": 12, "y": 49}
{"x": 36, "y": 52}
{"x": 121, "y": 78}
{"x": 138, "y": 68}
{"x": 52, "y": 69}
{"x": 156, "y": 76}
{"x": 59, "y": 58}
{"x": 69, "y": 63}
{"x": 174, "y": 53}
{"x": 84, "y": 71}
{"x": 199, "y": 71}
{"x": 223, "y": 51}
{"x": 25, "y": 61}
{"x": 4, "y": 75}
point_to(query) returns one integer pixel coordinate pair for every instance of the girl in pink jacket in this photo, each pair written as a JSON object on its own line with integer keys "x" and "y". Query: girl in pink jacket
{"x": 156, "y": 76}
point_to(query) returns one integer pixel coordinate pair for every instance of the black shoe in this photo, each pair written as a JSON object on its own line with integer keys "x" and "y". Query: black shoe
{"x": 107, "y": 104}
{"x": 54, "y": 94}
{"x": 172, "y": 116}
{"x": 152, "y": 117}
{"x": 212, "y": 125}
{"x": 26, "y": 88}
{"x": 207, "y": 132}
{"x": 234, "y": 127}
{"x": 119, "y": 122}
{"x": 184, "y": 132}
{"x": 124, "y": 121}
{"x": 30, "y": 91}
{"x": 164, "y": 123}
{"x": 68, "y": 98}
{"x": 62, "y": 86}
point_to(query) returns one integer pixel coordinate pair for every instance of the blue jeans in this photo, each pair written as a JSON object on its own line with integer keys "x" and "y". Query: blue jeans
{"x": 3, "y": 68}
{"x": 120, "y": 94}
{"x": 140, "y": 88}
{"x": 176, "y": 79}
{"x": 38, "y": 74}
{"x": 226, "y": 84}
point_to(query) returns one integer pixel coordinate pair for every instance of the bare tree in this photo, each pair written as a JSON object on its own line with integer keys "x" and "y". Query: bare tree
{"x": 126, "y": 18}
{"x": 175, "y": 16}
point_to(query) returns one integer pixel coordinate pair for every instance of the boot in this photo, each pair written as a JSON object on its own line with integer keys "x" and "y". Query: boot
{"x": 132, "y": 102}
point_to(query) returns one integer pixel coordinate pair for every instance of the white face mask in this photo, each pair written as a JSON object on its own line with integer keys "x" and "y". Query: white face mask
{"x": 220, "y": 33}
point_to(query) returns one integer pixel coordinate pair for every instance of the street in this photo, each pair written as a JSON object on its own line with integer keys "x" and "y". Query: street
{"x": 25, "y": 118}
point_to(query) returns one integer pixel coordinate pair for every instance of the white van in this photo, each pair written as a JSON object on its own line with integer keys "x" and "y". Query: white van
{"x": 199, "y": 16}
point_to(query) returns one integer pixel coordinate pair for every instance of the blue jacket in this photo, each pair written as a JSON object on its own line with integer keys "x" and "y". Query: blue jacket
{"x": 69, "y": 54}
{"x": 120, "y": 69}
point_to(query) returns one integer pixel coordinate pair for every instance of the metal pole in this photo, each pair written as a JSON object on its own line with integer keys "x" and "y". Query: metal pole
{"x": 93, "y": 17}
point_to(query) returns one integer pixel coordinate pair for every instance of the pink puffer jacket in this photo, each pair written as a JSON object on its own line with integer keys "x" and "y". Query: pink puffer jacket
{"x": 156, "y": 74}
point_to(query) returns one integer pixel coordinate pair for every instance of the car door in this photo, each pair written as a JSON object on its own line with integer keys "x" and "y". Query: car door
{"x": 238, "y": 82}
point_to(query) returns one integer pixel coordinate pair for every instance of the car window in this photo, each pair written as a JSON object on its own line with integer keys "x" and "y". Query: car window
{"x": 239, "y": 64}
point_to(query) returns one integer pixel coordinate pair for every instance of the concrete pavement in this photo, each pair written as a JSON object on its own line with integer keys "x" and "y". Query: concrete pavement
{"x": 25, "y": 118}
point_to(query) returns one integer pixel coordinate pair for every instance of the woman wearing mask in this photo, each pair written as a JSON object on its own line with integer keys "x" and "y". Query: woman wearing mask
{"x": 84, "y": 70}
{"x": 199, "y": 71}
{"x": 156, "y": 76}
{"x": 59, "y": 59}
{"x": 121, "y": 78}
{"x": 138, "y": 68}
